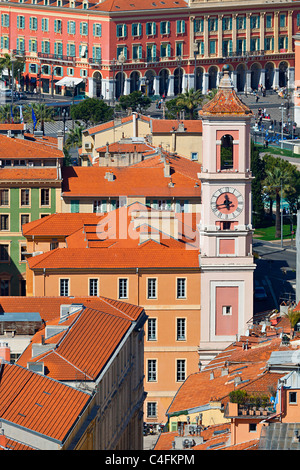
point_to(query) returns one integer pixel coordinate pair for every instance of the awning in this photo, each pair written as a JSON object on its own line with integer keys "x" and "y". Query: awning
{"x": 68, "y": 81}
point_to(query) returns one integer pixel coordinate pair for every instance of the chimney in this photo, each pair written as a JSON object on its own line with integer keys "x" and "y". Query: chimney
{"x": 134, "y": 125}
{"x": 173, "y": 140}
{"x": 4, "y": 352}
{"x": 167, "y": 172}
{"x": 60, "y": 140}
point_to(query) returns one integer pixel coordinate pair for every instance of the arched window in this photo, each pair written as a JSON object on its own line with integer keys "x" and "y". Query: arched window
{"x": 227, "y": 152}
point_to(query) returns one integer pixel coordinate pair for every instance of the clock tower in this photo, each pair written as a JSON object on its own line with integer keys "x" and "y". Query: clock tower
{"x": 225, "y": 228}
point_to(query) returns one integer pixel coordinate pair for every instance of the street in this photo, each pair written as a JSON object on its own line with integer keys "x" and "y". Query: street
{"x": 276, "y": 272}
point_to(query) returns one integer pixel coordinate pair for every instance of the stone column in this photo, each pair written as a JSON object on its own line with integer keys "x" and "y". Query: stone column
{"x": 263, "y": 77}
{"x": 127, "y": 86}
{"x": 276, "y": 78}
{"x": 171, "y": 86}
{"x": 234, "y": 79}
{"x": 156, "y": 85}
{"x": 291, "y": 77}
{"x": 220, "y": 36}
{"x": 248, "y": 31}
{"x": 206, "y": 35}
{"x": 290, "y": 31}
{"x": 262, "y": 31}
{"x": 234, "y": 35}
{"x": 276, "y": 14}
{"x": 192, "y": 36}
{"x": 205, "y": 82}
{"x": 248, "y": 81}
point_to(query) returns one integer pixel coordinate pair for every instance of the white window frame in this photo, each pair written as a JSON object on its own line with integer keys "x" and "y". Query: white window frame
{"x": 123, "y": 289}
{"x": 64, "y": 290}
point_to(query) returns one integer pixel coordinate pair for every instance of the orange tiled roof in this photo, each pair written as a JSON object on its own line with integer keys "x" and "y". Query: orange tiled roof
{"x": 125, "y": 147}
{"x": 10, "y": 444}
{"x": 128, "y": 181}
{"x": 29, "y": 174}
{"x": 226, "y": 101}
{"x": 136, "y": 5}
{"x": 57, "y": 225}
{"x": 22, "y": 149}
{"x": 110, "y": 124}
{"x": 162, "y": 126}
{"x": 33, "y": 401}
{"x": 76, "y": 354}
{"x": 249, "y": 364}
{"x": 12, "y": 127}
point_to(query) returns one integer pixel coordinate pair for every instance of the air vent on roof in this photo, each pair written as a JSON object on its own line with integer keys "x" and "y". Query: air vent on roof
{"x": 68, "y": 309}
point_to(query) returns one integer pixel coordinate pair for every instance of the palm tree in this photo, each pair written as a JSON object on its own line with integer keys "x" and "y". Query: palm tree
{"x": 277, "y": 184}
{"x": 5, "y": 113}
{"x": 74, "y": 139}
{"x": 294, "y": 317}
{"x": 6, "y": 64}
{"x": 42, "y": 113}
{"x": 190, "y": 100}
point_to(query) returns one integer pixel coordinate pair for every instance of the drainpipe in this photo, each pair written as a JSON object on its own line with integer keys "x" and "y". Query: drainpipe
{"x": 138, "y": 286}
{"x": 44, "y": 273}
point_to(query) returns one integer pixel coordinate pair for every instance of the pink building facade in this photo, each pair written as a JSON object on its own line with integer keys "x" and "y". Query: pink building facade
{"x": 112, "y": 48}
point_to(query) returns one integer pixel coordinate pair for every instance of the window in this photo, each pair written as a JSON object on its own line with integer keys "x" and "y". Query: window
{"x": 151, "y": 52}
{"x": 4, "y": 197}
{"x": 241, "y": 22}
{"x": 240, "y": 46}
{"x": 45, "y": 197}
{"x": 180, "y": 370}
{"x": 254, "y": 44}
{"x": 227, "y": 310}
{"x": 151, "y": 409}
{"x": 25, "y": 218}
{"x": 22, "y": 253}
{"x": 45, "y": 50}
{"x": 20, "y": 44}
{"x": 181, "y": 288}
{"x": 179, "y": 49}
{"x": 137, "y": 52}
{"x": 83, "y": 51}
{"x": 227, "y": 48}
{"x": 20, "y": 22}
{"x": 282, "y": 20}
{"x": 298, "y": 20}
{"x": 136, "y": 29}
{"x": 269, "y": 44}
{"x": 74, "y": 205}
{"x": 4, "y": 287}
{"x": 4, "y": 252}
{"x": 282, "y": 42}
{"x": 53, "y": 246}
{"x": 152, "y": 370}
{"x": 100, "y": 206}
{"x": 4, "y": 42}
{"x": 25, "y": 197}
{"x": 123, "y": 288}
{"x": 180, "y": 26}
{"x": 4, "y": 222}
{"x": 57, "y": 26}
{"x": 152, "y": 329}
{"x": 58, "y": 51}
{"x": 97, "y": 30}
{"x": 165, "y": 50}
{"x": 152, "y": 294}
{"x": 268, "y": 21}
{"x": 5, "y": 20}
{"x": 165, "y": 27}
{"x": 213, "y": 24}
{"x": 83, "y": 28}
{"x": 180, "y": 329}
{"x": 194, "y": 156}
{"x": 33, "y": 23}
{"x": 150, "y": 29}
{"x": 64, "y": 287}
{"x": 199, "y": 26}
{"x": 293, "y": 397}
{"x": 93, "y": 287}
{"x": 45, "y": 24}
{"x": 97, "y": 54}
{"x": 71, "y": 50}
{"x": 227, "y": 24}
{"x": 212, "y": 46}
{"x": 227, "y": 152}
{"x": 254, "y": 21}
{"x": 32, "y": 45}
{"x": 252, "y": 427}
{"x": 121, "y": 30}
{"x": 71, "y": 27}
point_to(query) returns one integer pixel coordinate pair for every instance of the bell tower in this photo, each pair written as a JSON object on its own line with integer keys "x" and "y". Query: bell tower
{"x": 225, "y": 229}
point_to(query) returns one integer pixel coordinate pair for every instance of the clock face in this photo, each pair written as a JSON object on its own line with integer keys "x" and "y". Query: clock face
{"x": 227, "y": 203}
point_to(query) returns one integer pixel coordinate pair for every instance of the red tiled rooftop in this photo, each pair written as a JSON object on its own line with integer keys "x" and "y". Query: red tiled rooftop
{"x": 14, "y": 148}
{"x": 136, "y": 5}
{"x": 44, "y": 411}
{"x": 29, "y": 174}
{"x": 162, "y": 126}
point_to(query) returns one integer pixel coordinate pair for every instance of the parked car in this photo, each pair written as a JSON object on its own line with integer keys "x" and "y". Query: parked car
{"x": 260, "y": 293}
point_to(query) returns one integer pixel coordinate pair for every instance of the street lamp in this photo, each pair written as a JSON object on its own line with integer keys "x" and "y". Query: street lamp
{"x": 113, "y": 63}
{"x": 13, "y": 60}
{"x": 121, "y": 60}
{"x": 282, "y": 108}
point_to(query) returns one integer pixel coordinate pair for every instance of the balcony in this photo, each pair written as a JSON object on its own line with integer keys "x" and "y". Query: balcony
{"x": 94, "y": 62}
{"x": 55, "y": 58}
{"x": 244, "y": 405}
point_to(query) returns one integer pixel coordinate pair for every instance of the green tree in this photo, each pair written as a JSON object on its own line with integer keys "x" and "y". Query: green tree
{"x": 189, "y": 102}
{"x": 172, "y": 109}
{"x": 258, "y": 172}
{"x": 294, "y": 318}
{"x": 278, "y": 184}
{"x": 136, "y": 100}
{"x": 42, "y": 114}
{"x": 74, "y": 139}
{"x": 5, "y": 113}
{"x": 6, "y": 63}
{"x": 91, "y": 111}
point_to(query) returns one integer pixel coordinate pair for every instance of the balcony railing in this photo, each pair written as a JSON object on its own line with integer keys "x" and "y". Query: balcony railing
{"x": 56, "y": 57}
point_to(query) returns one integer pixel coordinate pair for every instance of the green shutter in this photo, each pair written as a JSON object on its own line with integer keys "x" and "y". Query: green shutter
{"x": 140, "y": 52}
{"x": 74, "y": 206}
{"x": 140, "y": 29}
{"x": 169, "y": 50}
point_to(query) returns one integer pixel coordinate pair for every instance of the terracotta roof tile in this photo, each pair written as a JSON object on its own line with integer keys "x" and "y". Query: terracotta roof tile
{"x": 136, "y": 5}
{"x": 44, "y": 411}
{"x": 162, "y": 126}
{"x": 14, "y": 148}
{"x": 29, "y": 174}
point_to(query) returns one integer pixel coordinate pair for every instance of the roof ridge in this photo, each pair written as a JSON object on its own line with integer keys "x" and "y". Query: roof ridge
{"x": 108, "y": 303}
